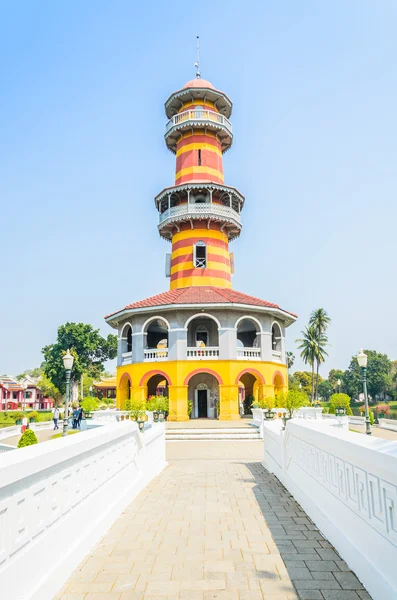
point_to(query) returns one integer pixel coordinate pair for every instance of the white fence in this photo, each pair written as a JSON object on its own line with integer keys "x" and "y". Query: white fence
{"x": 57, "y": 499}
{"x": 347, "y": 483}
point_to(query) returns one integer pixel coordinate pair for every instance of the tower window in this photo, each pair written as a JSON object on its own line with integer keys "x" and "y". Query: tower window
{"x": 199, "y": 157}
{"x": 200, "y": 255}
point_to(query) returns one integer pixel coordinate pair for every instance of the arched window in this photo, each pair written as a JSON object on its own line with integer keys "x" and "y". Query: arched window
{"x": 200, "y": 255}
{"x": 201, "y": 336}
{"x": 129, "y": 340}
{"x": 276, "y": 337}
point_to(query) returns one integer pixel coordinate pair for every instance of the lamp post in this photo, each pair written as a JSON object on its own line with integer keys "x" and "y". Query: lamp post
{"x": 90, "y": 390}
{"x": 339, "y": 382}
{"x": 68, "y": 364}
{"x": 362, "y": 360}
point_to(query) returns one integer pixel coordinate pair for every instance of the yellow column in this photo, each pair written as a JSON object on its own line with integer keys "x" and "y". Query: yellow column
{"x": 178, "y": 403}
{"x": 139, "y": 393}
{"x": 229, "y": 407}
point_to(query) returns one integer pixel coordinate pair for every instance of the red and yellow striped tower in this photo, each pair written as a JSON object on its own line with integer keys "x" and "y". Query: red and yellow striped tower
{"x": 199, "y": 214}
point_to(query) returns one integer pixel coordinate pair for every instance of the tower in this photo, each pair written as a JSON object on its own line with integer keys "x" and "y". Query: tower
{"x": 199, "y": 214}
{"x": 209, "y": 349}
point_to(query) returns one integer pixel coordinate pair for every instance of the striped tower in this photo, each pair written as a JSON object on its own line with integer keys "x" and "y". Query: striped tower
{"x": 199, "y": 214}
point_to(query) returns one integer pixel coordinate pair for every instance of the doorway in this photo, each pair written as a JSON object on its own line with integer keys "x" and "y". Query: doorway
{"x": 202, "y": 404}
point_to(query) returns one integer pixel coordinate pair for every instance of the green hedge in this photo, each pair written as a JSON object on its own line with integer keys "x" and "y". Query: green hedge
{"x": 28, "y": 438}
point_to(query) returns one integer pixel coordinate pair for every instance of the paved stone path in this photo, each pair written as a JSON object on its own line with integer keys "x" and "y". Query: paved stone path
{"x": 213, "y": 526}
{"x": 378, "y": 432}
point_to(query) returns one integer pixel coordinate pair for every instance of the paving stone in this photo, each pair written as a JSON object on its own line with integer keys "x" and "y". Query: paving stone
{"x": 315, "y": 585}
{"x": 340, "y": 595}
{"x": 299, "y": 573}
{"x": 310, "y": 595}
{"x": 321, "y": 565}
{"x": 328, "y": 554}
{"x": 364, "y": 595}
{"x": 348, "y": 581}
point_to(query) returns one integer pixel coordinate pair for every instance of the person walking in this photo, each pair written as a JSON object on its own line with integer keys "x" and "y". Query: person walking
{"x": 56, "y": 417}
{"x": 75, "y": 417}
{"x": 80, "y": 416}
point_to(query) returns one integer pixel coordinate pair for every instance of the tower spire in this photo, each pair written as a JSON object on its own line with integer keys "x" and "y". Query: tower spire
{"x": 197, "y": 63}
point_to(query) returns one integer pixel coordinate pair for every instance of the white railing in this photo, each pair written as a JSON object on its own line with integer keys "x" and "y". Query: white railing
{"x": 59, "y": 498}
{"x": 154, "y": 354}
{"x": 276, "y": 354}
{"x": 347, "y": 484}
{"x": 127, "y": 358}
{"x": 203, "y": 353}
{"x": 249, "y": 353}
{"x": 198, "y": 115}
{"x": 207, "y": 209}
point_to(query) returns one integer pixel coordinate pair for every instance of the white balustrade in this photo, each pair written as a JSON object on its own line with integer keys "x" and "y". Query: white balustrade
{"x": 203, "y": 210}
{"x": 347, "y": 484}
{"x": 155, "y": 354}
{"x": 276, "y": 355}
{"x": 198, "y": 115}
{"x": 57, "y": 500}
{"x": 249, "y": 353}
{"x": 127, "y": 358}
{"x": 203, "y": 353}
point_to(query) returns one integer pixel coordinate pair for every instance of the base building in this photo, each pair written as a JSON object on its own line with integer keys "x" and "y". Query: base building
{"x": 200, "y": 341}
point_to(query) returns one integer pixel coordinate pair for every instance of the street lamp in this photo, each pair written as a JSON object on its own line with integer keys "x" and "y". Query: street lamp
{"x": 339, "y": 382}
{"x": 90, "y": 390}
{"x": 362, "y": 360}
{"x": 68, "y": 364}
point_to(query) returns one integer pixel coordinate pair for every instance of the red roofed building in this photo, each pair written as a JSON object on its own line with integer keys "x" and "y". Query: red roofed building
{"x": 205, "y": 345}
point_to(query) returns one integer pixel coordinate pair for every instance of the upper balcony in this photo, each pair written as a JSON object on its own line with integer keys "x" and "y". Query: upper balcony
{"x": 199, "y": 118}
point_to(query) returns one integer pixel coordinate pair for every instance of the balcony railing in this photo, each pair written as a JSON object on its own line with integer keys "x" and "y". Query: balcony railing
{"x": 155, "y": 354}
{"x": 127, "y": 358}
{"x": 189, "y": 117}
{"x": 249, "y": 353}
{"x": 208, "y": 353}
{"x": 201, "y": 210}
{"x": 276, "y": 355}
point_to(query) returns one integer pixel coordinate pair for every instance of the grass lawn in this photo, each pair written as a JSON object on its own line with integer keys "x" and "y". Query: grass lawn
{"x": 58, "y": 435}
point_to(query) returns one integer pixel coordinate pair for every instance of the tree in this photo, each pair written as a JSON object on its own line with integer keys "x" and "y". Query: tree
{"x": 325, "y": 389}
{"x": 337, "y": 400}
{"x": 290, "y": 359}
{"x": 35, "y": 373}
{"x": 320, "y": 320}
{"x": 308, "y": 345}
{"x": 89, "y": 348}
{"x": 333, "y": 377}
{"x": 89, "y": 404}
{"x": 303, "y": 379}
{"x": 379, "y": 379}
{"x": 48, "y": 389}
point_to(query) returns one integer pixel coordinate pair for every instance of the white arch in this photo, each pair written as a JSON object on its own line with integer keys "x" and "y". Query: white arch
{"x": 279, "y": 326}
{"x": 124, "y": 326}
{"x": 250, "y": 319}
{"x": 153, "y": 319}
{"x": 198, "y": 315}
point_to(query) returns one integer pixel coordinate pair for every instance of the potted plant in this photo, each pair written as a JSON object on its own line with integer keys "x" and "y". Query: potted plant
{"x": 152, "y": 405}
{"x": 382, "y": 410}
{"x": 33, "y": 416}
{"x": 268, "y": 404}
{"x": 190, "y": 408}
{"x": 18, "y": 416}
{"x": 89, "y": 405}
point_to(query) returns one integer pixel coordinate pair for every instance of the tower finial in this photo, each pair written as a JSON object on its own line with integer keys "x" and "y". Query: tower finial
{"x": 197, "y": 63}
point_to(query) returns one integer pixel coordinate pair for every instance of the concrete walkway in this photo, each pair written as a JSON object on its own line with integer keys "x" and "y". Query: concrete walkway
{"x": 213, "y": 526}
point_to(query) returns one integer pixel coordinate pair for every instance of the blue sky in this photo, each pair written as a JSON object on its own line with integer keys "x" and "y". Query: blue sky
{"x": 82, "y": 156}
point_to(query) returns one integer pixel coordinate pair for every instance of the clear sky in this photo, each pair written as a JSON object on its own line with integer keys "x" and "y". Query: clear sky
{"x": 82, "y": 156}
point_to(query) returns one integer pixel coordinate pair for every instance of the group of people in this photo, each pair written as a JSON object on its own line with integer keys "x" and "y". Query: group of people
{"x": 77, "y": 415}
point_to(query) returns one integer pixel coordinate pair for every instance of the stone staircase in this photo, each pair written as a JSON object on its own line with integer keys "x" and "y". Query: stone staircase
{"x": 202, "y": 434}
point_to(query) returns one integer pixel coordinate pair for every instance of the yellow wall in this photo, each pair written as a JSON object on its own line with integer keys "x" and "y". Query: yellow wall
{"x": 179, "y": 372}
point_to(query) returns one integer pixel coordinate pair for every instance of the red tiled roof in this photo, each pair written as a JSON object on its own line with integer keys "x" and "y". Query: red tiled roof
{"x": 200, "y": 295}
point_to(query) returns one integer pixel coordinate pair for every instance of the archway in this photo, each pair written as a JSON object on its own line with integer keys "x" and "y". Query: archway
{"x": 157, "y": 385}
{"x": 276, "y": 338}
{"x": 156, "y": 333}
{"x": 247, "y": 333}
{"x": 124, "y": 390}
{"x": 126, "y": 339}
{"x": 202, "y": 332}
{"x": 249, "y": 393}
{"x": 203, "y": 394}
{"x": 278, "y": 382}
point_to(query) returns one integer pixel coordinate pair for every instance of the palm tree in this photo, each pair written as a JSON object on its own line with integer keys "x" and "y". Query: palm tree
{"x": 308, "y": 345}
{"x": 320, "y": 320}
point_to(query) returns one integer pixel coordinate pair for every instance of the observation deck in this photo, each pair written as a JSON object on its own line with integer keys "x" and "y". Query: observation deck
{"x": 209, "y": 120}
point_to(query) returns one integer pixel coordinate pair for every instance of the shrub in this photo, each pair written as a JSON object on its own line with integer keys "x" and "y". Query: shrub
{"x": 89, "y": 404}
{"x": 269, "y": 402}
{"x": 362, "y": 408}
{"x": 128, "y": 404}
{"x": 292, "y": 400}
{"x": 28, "y": 438}
{"x": 371, "y": 417}
{"x": 382, "y": 409}
{"x": 18, "y": 416}
{"x": 339, "y": 400}
{"x": 33, "y": 415}
{"x": 138, "y": 408}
